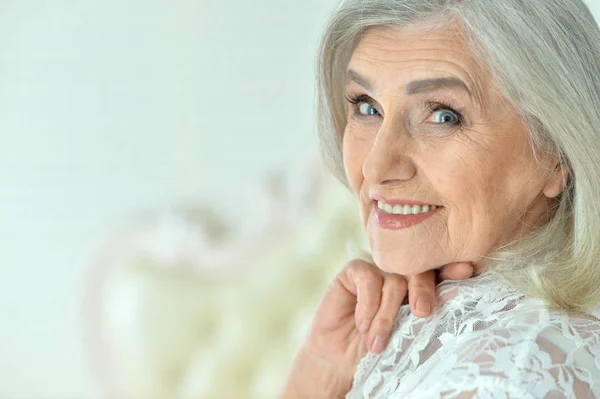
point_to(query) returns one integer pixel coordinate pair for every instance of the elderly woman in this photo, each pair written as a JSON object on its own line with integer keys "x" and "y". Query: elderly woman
{"x": 468, "y": 130}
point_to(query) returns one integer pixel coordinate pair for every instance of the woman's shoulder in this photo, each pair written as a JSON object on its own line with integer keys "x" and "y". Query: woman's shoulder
{"x": 508, "y": 324}
{"x": 518, "y": 343}
{"x": 490, "y": 301}
{"x": 489, "y": 306}
{"x": 530, "y": 352}
{"x": 482, "y": 338}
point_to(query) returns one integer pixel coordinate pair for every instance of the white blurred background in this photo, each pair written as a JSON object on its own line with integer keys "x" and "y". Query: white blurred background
{"x": 111, "y": 108}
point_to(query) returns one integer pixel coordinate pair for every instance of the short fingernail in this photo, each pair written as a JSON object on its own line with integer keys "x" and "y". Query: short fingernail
{"x": 364, "y": 326}
{"x": 423, "y": 305}
{"x": 378, "y": 345}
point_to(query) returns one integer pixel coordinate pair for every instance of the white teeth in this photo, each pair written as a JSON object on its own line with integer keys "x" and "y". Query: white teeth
{"x": 405, "y": 209}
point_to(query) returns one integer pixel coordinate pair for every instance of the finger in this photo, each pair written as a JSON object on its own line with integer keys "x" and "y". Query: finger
{"x": 456, "y": 271}
{"x": 421, "y": 293}
{"x": 368, "y": 283}
{"x": 393, "y": 292}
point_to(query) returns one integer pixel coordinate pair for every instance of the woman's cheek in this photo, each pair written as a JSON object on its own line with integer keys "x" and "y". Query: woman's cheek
{"x": 354, "y": 155}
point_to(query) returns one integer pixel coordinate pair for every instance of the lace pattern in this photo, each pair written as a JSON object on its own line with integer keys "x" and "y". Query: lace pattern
{"x": 485, "y": 340}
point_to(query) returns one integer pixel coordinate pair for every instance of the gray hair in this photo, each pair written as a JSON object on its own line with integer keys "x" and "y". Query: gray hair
{"x": 545, "y": 58}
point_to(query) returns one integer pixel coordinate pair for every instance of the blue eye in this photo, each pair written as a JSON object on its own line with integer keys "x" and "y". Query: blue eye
{"x": 445, "y": 116}
{"x": 365, "y": 108}
{"x": 362, "y": 105}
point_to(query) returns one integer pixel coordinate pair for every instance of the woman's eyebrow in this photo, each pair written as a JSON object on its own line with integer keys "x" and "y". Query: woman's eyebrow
{"x": 426, "y": 85}
{"x": 353, "y": 76}
{"x": 414, "y": 87}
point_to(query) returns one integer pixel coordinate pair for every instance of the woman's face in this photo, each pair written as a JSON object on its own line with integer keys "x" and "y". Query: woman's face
{"x": 427, "y": 126}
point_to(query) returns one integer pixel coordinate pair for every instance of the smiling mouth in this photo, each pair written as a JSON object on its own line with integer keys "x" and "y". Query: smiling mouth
{"x": 405, "y": 209}
{"x": 398, "y": 217}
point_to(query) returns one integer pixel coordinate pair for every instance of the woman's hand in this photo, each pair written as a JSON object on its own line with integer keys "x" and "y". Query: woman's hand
{"x": 421, "y": 287}
{"x": 357, "y": 314}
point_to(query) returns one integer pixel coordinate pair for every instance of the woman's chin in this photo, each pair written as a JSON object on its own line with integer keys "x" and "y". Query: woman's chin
{"x": 391, "y": 263}
{"x": 402, "y": 251}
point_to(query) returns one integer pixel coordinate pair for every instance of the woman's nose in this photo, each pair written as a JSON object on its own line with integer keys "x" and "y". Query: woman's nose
{"x": 388, "y": 161}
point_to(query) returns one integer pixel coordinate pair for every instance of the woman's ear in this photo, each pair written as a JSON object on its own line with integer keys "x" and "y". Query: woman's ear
{"x": 556, "y": 182}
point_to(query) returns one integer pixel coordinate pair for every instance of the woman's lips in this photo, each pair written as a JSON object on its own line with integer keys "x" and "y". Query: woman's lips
{"x": 396, "y": 222}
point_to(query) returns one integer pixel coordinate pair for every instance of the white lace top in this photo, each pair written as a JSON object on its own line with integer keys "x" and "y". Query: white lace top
{"x": 485, "y": 340}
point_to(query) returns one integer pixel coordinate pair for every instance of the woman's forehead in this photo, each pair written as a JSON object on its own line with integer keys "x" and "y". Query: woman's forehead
{"x": 411, "y": 47}
{"x": 424, "y": 51}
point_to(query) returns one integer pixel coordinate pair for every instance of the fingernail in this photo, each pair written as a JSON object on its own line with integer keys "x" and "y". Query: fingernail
{"x": 378, "y": 345}
{"x": 423, "y": 305}
{"x": 364, "y": 326}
